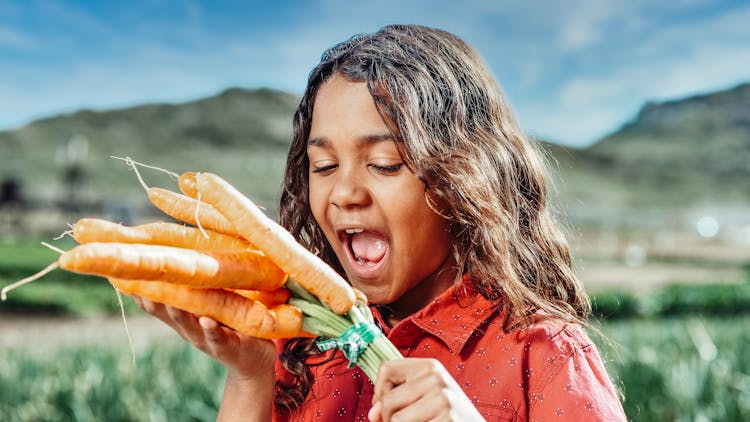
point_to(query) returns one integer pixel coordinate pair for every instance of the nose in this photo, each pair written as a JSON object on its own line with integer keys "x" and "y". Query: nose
{"x": 349, "y": 190}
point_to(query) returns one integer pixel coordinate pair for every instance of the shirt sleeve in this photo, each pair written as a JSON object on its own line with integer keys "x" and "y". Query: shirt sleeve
{"x": 579, "y": 389}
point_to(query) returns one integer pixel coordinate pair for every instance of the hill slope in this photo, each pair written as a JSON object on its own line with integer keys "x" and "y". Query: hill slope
{"x": 241, "y": 134}
{"x": 673, "y": 155}
{"x": 681, "y": 152}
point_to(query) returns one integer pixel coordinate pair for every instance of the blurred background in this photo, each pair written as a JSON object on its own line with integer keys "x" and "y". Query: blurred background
{"x": 644, "y": 108}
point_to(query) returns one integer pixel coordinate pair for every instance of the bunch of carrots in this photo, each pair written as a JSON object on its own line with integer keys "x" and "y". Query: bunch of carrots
{"x": 231, "y": 263}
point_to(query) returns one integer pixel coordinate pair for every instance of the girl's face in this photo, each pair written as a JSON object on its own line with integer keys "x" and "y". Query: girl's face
{"x": 370, "y": 206}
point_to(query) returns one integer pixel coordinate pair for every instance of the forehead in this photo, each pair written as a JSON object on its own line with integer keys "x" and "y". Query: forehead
{"x": 345, "y": 110}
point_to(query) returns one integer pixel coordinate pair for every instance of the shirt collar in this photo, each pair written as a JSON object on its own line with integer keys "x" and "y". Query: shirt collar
{"x": 454, "y": 315}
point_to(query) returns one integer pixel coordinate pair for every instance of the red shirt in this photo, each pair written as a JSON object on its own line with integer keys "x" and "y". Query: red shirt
{"x": 549, "y": 371}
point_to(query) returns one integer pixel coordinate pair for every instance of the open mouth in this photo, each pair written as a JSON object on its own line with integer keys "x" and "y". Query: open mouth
{"x": 365, "y": 249}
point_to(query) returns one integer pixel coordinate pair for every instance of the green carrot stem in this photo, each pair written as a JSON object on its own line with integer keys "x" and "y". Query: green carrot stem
{"x": 319, "y": 328}
{"x": 320, "y": 320}
{"x": 299, "y": 291}
{"x": 322, "y": 313}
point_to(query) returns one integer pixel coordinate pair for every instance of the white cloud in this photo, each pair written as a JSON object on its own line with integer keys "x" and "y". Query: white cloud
{"x": 673, "y": 61}
{"x": 586, "y": 108}
{"x": 577, "y": 70}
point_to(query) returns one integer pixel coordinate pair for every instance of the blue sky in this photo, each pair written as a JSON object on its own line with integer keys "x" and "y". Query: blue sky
{"x": 572, "y": 70}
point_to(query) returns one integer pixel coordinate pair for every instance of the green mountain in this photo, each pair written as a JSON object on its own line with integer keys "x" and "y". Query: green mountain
{"x": 672, "y": 155}
{"x": 241, "y": 134}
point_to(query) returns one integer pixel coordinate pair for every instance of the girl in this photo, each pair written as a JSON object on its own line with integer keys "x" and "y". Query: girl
{"x": 409, "y": 176}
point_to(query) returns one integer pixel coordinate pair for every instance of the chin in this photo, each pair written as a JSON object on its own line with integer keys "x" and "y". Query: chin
{"x": 375, "y": 295}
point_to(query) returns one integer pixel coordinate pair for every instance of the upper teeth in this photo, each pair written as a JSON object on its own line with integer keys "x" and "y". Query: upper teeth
{"x": 352, "y": 231}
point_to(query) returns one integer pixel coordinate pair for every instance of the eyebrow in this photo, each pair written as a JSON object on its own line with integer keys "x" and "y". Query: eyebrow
{"x": 366, "y": 139}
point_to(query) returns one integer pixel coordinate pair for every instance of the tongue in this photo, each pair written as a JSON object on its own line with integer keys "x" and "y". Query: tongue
{"x": 369, "y": 246}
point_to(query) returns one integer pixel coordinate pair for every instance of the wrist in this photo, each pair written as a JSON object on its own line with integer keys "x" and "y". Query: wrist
{"x": 245, "y": 380}
{"x": 247, "y": 398}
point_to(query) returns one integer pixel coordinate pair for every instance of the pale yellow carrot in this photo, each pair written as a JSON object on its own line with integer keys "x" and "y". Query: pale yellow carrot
{"x": 186, "y": 183}
{"x": 267, "y": 297}
{"x": 88, "y": 230}
{"x": 183, "y": 208}
{"x": 278, "y": 244}
{"x": 226, "y": 269}
{"x": 244, "y": 315}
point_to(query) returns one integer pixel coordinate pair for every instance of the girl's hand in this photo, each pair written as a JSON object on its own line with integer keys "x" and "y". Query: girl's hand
{"x": 418, "y": 389}
{"x": 244, "y": 357}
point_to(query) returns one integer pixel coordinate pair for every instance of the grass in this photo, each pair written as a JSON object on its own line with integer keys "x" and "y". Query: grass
{"x": 682, "y": 369}
{"x": 670, "y": 366}
{"x": 167, "y": 383}
{"x": 669, "y": 369}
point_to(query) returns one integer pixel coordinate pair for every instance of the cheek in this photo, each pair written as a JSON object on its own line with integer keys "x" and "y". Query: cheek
{"x": 423, "y": 229}
{"x": 318, "y": 201}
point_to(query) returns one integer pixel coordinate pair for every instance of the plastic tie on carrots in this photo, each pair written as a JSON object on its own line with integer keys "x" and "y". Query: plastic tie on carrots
{"x": 352, "y": 342}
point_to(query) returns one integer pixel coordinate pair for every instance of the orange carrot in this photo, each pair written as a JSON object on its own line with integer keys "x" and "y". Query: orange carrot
{"x": 88, "y": 230}
{"x": 277, "y": 243}
{"x": 183, "y": 208}
{"x": 226, "y": 269}
{"x": 187, "y": 185}
{"x": 244, "y": 315}
{"x": 267, "y": 297}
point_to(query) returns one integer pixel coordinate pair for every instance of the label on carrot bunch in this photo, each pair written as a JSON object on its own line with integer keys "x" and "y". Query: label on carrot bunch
{"x": 352, "y": 342}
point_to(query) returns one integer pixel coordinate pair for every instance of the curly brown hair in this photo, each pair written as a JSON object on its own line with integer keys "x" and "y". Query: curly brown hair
{"x": 460, "y": 137}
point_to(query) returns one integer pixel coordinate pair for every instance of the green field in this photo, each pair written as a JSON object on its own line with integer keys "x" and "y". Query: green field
{"x": 686, "y": 369}
{"x": 682, "y": 354}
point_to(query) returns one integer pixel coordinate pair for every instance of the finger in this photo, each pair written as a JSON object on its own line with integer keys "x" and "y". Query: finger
{"x": 186, "y": 324}
{"x": 414, "y": 390}
{"x": 396, "y": 372}
{"x": 215, "y": 334}
{"x": 432, "y": 407}
{"x": 151, "y": 307}
{"x": 374, "y": 414}
{"x": 207, "y": 323}
{"x": 399, "y": 397}
{"x": 180, "y": 317}
{"x": 390, "y": 374}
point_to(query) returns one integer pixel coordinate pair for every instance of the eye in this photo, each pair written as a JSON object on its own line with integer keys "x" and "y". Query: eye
{"x": 324, "y": 169}
{"x": 392, "y": 169}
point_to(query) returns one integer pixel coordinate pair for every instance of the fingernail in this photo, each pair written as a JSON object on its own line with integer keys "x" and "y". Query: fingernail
{"x": 206, "y": 322}
{"x": 374, "y": 413}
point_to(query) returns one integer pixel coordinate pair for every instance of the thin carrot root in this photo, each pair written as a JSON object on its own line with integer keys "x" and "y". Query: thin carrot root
{"x": 63, "y": 234}
{"x": 175, "y": 207}
{"x": 88, "y": 230}
{"x": 244, "y": 315}
{"x": 130, "y": 162}
{"x": 197, "y": 215}
{"x": 54, "y": 248}
{"x": 125, "y": 322}
{"x": 278, "y": 244}
{"x": 172, "y": 208}
{"x": 27, "y": 280}
{"x": 226, "y": 269}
